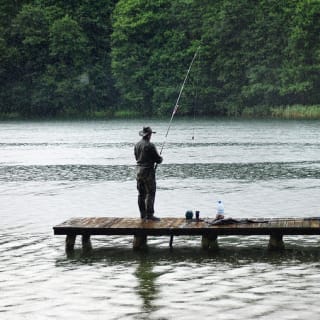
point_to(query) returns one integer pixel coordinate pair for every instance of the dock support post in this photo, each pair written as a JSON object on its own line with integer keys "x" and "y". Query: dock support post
{"x": 209, "y": 241}
{"x": 139, "y": 241}
{"x": 70, "y": 241}
{"x": 171, "y": 241}
{"x": 86, "y": 243}
{"x": 276, "y": 242}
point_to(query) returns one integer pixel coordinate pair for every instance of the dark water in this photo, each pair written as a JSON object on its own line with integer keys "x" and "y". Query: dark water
{"x": 51, "y": 171}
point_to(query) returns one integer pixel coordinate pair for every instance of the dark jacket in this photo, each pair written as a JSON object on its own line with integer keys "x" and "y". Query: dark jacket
{"x": 146, "y": 154}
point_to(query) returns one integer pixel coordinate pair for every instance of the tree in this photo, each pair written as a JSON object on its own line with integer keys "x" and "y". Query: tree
{"x": 62, "y": 80}
{"x": 152, "y": 44}
{"x": 9, "y": 57}
{"x": 265, "y": 45}
{"x": 300, "y": 78}
{"x": 94, "y": 17}
{"x": 30, "y": 30}
{"x": 77, "y": 57}
{"x": 225, "y": 30}
{"x": 56, "y": 57}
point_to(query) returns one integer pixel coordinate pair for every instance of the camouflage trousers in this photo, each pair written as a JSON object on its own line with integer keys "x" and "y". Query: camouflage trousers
{"x": 146, "y": 185}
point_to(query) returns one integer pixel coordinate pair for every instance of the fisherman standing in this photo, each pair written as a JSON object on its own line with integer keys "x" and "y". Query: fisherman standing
{"x": 146, "y": 156}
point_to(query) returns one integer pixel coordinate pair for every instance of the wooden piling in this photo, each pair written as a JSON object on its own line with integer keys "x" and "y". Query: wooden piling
{"x": 139, "y": 242}
{"x": 276, "y": 242}
{"x": 86, "y": 243}
{"x": 209, "y": 241}
{"x": 171, "y": 241}
{"x": 70, "y": 241}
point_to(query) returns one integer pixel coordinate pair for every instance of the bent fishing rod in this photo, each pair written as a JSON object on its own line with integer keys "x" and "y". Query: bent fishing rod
{"x": 176, "y": 106}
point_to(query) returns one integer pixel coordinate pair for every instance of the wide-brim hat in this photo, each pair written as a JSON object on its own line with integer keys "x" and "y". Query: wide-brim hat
{"x": 146, "y": 131}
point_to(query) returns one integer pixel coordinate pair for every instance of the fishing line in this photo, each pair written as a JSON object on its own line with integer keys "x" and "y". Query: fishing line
{"x": 195, "y": 102}
{"x": 176, "y": 106}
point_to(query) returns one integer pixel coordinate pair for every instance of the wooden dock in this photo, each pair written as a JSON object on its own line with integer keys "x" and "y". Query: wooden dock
{"x": 140, "y": 229}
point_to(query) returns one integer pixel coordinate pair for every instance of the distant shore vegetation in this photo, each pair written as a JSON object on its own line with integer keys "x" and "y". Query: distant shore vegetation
{"x": 294, "y": 112}
{"x": 128, "y": 58}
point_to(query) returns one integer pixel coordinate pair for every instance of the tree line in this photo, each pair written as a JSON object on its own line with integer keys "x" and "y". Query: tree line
{"x": 129, "y": 57}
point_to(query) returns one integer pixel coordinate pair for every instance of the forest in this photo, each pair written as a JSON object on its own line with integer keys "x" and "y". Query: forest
{"x": 121, "y": 58}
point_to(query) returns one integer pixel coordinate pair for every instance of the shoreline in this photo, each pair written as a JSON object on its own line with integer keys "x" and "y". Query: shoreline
{"x": 293, "y": 112}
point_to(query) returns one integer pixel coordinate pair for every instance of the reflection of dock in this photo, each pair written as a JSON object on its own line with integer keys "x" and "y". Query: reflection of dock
{"x": 276, "y": 228}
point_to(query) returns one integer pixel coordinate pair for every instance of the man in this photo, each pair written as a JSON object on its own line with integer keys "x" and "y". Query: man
{"x": 146, "y": 156}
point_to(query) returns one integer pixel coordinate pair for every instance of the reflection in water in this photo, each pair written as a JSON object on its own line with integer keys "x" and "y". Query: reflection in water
{"x": 147, "y": 288}
{"x": 303, "y": 250}
{"x": 159, "y": 277}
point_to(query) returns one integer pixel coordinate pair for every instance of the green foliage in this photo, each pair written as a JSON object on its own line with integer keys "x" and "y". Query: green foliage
{"x": 68, "y": 44}
{"x": 300, "y": 74}
{"x": 68, "y": 51}
{"x": 129, "y": 57}
{"x": 296, "y": 112}
{"x": 244, "y": 62}
{"x": 125, "y": 114}
{"x": 55, "y": 57}
{"x": 150, "y": 52}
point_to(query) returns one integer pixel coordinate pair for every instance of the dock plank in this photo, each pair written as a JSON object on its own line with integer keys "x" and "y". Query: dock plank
{"x": 181, "y": 226}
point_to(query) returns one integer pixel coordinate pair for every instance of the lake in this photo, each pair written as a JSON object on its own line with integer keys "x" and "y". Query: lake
{"x": 51, "y": 171}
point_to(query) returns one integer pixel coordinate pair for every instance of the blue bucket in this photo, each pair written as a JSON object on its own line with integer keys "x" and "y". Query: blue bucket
{"x": 189, "y": 215}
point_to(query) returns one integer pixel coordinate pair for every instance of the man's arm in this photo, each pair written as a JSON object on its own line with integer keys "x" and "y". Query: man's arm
{"x": 155, "y": 155}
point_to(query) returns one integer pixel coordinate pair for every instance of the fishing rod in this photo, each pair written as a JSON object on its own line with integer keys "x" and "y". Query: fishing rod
{"x": 176, "y": 106}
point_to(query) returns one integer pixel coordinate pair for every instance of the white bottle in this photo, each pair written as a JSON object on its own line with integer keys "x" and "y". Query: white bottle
{"x": 220, "y": 208}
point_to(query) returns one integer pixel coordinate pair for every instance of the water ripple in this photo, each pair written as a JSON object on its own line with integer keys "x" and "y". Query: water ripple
{"x": 51, "y": 171}
{"x": 237, "y": 171}
{"x": 188, "y": 144}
